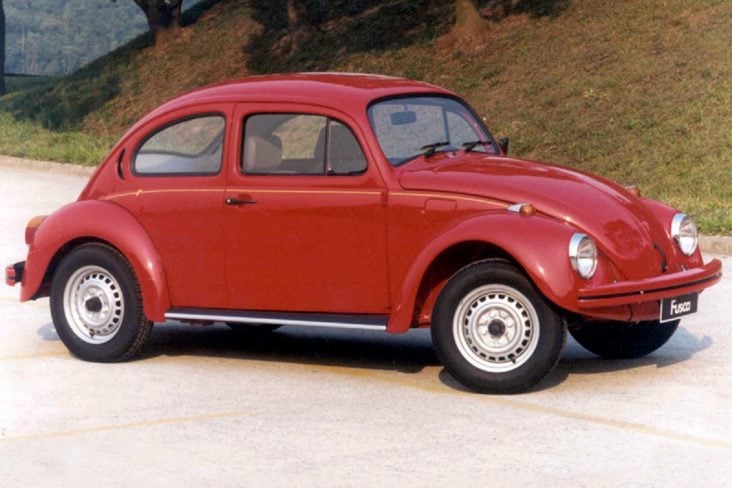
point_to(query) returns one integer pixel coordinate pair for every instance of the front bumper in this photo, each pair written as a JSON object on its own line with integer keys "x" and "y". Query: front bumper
{"x": 651, "y": 289}
{"x": 14, "y": 273}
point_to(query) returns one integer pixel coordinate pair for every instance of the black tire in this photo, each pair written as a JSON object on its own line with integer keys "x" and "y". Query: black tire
{"x": 484, "y": 305}
{"x": 622, "y": 340}
{"x": 110, "y": 325}
{"x": 252, "y": 329}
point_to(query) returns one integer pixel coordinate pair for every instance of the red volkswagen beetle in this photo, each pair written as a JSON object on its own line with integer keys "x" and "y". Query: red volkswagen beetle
{"x": 361, "y": 202}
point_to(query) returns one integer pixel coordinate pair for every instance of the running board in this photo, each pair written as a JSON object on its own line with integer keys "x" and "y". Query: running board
{"x": 332, "y": 320}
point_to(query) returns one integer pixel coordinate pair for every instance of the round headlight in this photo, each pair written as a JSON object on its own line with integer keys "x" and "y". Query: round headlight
{"x": 583, "y": 255}
{"x": 684, "y": 232}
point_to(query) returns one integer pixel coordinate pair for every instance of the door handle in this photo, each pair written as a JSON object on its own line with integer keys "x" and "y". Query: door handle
{"x": 239, "y": 201}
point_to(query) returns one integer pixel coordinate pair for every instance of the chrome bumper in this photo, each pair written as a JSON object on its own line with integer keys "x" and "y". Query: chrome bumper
{"x": 651, "y": 289}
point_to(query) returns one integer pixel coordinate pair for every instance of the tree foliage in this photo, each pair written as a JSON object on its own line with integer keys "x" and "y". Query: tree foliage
{"x": 163, "y": 17}
{"x": 2, "y": 48}
{"x": 48, "y": 37}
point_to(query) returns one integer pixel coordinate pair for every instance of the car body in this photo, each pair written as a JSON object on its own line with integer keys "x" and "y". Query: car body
{"x": 329, "y": 199}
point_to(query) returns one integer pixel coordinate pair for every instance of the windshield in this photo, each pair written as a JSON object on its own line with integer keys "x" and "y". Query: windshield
{"x": 414, "y": 126}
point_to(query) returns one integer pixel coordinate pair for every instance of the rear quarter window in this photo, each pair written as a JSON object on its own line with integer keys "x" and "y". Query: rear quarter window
{"x": 191, "y": 146}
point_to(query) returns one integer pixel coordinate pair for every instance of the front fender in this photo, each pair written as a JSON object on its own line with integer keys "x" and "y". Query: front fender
{"x": 103, "y": 221}
{"x": 537, "y": 243}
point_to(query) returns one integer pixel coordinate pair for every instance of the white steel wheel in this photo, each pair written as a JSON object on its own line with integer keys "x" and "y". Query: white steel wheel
{"x": 96, "y": 304}
{"x": 93, "y": 304}
{"x": 493, "y": 331}
{"x": 496, "y": 328}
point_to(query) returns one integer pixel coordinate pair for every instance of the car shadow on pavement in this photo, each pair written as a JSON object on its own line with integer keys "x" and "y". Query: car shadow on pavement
{"x": 577, "y": 361}
{"x": 48, "y": 332}
{"x": 407, "y": 353}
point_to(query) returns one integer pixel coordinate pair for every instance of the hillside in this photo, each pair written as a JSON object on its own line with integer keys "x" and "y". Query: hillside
{"x": 639, "y": 92}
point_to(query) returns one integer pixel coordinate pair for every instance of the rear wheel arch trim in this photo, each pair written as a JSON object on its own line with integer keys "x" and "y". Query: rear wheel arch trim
{"x": 152, "y": 294}
{"x": 72, "y": 226}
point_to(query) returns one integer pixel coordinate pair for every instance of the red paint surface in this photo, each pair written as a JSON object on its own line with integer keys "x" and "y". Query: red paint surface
{"x": 358, "y": 244}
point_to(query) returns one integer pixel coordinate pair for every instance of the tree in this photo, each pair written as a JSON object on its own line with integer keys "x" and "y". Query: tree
{"x": 2, "y": 49}
{"x": 163, "y": 18}
{"x": 297, "y": 22}
{"x": 468, "y": 21}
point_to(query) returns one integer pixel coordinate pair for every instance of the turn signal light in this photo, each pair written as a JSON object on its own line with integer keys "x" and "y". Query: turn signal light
{"x": 634, "y": 189}
{"x": 32, "y": 227}
{"x": 525, "y": 209}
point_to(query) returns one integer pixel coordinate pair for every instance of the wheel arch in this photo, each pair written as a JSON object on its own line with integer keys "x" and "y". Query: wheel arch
{"x": 105, "y": 223}
{"x": 446, "y": 264}
{"x": 531, "y": 244}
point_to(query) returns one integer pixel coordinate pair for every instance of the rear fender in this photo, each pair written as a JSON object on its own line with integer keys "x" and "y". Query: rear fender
{"x": 95, "y": 220}
{"x": 538, "y": 244}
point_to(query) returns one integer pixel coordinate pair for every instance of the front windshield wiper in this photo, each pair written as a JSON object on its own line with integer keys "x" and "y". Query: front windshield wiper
{"x": 431, "y": 148}
{"x": 469, "y": 146}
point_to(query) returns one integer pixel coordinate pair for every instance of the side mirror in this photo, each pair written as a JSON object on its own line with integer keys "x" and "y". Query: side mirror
{"x": 503, "y": 144}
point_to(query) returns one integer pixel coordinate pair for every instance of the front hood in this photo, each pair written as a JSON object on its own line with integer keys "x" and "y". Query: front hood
{"x": 624, "y": 229}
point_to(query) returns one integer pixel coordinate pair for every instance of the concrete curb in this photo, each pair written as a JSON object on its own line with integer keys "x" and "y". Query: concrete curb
{"x": 708, "y": 244}
{"x": 716, "y": 245}
{"x": 24, "y": 164}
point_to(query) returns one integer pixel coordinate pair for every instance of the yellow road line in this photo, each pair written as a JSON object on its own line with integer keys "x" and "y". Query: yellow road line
{"x": 131, "y": 425}
{"x": 416, "y": 382}
{"x": 401, "y": 380}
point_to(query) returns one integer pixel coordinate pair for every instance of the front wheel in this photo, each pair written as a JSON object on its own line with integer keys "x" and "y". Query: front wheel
{"x": 493, "y": 331}
{"x": 622, "y": 340}
{"x": 96, "y": 305}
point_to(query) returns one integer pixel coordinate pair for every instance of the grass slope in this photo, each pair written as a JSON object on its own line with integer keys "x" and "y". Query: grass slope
{"x": 639, "y": 92}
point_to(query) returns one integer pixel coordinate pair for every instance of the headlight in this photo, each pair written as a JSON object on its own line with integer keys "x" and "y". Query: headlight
{"x": 583, "y": 255}
{"x": 684, "y": 232}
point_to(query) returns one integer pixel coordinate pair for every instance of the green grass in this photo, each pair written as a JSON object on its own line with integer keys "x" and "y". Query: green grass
{"x": 31, "y": 140}
{"x": 639, "y": 92}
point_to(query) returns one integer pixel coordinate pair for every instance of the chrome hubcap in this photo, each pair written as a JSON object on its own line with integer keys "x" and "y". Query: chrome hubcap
{"x": 93, "y": 304}
{"x": 496, "y": 328}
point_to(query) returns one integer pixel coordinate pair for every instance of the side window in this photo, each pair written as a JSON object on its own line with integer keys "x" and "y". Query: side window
{"x": 192, "y": 146}
{"x": 345, "y": 156}
{"x": 300, "y": 144}
{"x": 283, "y": 144}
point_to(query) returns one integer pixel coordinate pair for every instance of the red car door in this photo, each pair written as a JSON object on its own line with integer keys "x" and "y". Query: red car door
{"x": 304, "y": 216}
{"x": 175, "y": 188}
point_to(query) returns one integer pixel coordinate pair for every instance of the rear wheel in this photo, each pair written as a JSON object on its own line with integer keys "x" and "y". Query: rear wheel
{"x": 96, "y": 305}
{"x": 622, "y": 340}
{"x": 493, "y": 331}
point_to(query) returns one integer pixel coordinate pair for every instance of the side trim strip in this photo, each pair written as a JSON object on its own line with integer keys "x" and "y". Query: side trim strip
{"x": 338, "y": 321}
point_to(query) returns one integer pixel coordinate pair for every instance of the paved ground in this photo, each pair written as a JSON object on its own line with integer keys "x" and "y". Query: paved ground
{"x": 206, "y": 406}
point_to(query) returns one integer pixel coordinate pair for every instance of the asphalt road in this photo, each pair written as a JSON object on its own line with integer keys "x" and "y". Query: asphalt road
{"x": 209, "y": 407}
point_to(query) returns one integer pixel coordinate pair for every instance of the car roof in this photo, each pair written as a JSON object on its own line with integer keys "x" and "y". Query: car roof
{"x": 343, "y": 90}
{"x": 348, "y": 92}
{"x": 314, "y": 87}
